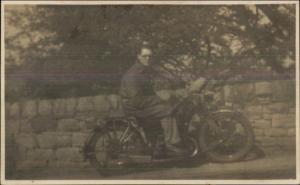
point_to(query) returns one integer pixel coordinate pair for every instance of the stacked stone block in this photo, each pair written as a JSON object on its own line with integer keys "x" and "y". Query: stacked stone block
{"x": 51, "y": 133}
{"x": 272, "y": 113}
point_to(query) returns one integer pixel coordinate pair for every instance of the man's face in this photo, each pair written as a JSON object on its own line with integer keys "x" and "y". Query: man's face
{"x": 145, "y": 56}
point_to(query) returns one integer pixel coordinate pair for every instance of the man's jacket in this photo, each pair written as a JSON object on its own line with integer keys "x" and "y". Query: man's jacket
{"x": 141, "y": 100}
{"x": 137, "y": 82}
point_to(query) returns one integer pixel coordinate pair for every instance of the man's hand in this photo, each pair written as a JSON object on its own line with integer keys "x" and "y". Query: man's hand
{"x": 196, "y": 85}
{"x": 168, "y": 94}
{"x": 181, "y": 93}
{"x": 164, "y": 94}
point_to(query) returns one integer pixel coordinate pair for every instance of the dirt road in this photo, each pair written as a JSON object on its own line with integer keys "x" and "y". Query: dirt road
{"x": 269, "y": 167}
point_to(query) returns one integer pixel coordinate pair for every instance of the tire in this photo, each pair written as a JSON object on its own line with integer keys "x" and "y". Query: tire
{"x": 226, "y": 137}
{"x": 192, "y": 146}
{"x": 107, "y": 153}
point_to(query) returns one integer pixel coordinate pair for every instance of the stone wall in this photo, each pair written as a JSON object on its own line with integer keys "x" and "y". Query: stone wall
{"x": 50, "y": 133}
{"x": 270, "y": 107}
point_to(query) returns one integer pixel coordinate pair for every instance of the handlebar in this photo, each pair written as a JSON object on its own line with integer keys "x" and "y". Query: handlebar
{"x": 224, "y": 77}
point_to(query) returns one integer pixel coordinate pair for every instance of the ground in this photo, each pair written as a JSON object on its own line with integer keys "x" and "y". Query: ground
{"x": 272, "y": 166}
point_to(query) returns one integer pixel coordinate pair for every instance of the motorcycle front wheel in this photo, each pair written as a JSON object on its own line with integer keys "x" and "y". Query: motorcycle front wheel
{"x": 226, "y": 137}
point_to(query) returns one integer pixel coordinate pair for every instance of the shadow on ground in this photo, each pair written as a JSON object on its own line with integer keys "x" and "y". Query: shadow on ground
{"x": 280, "y": 165}
{"x": 255, "y": 154}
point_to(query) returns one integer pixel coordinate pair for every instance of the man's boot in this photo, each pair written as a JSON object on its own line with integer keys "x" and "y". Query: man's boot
{"x": 175, "y": 150}
{"x": 159, "y": 149}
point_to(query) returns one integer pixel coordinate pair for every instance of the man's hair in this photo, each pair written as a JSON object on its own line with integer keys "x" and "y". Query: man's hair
{"x": 143, "y": 45}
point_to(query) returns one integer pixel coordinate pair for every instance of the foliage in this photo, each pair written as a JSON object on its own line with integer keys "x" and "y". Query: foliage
{"x": 55, "y": 51}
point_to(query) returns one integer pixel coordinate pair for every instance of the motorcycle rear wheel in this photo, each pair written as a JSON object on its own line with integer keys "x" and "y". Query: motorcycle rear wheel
{"x": 226, "y": 137}
{"x": 108, "y": 153}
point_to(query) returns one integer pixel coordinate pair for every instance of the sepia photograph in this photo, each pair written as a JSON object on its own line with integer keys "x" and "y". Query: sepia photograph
{"x": 150, "y": 92}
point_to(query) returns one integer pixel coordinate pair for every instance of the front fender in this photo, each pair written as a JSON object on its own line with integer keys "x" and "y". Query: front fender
{"x": 226, "y": 111}
{"x": 229, "y": 113}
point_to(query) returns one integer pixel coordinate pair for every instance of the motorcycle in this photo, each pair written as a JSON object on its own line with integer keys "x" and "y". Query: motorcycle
{"x": 221, "y": 134}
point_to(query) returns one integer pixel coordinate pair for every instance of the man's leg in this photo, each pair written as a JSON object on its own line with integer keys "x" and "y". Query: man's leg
{"x": 153, "y": 131}
{"x": 155, "y": 134}
{"x": 170, "y": 130}
{"x": 172, "y": 137}
{"x": 165, "y": 137}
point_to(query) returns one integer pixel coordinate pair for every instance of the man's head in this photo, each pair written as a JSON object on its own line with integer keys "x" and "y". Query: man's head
{"x": 144, "y": 55}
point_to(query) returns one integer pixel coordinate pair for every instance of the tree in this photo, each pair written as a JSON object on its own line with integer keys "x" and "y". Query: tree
{"x": 90, "y": 47}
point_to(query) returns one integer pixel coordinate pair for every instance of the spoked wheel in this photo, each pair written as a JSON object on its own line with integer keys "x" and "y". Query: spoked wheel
{"x": 226, "y": 137}
{"x": 111, "y": 148}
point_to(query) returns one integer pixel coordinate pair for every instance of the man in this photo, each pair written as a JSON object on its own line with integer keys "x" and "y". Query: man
{"x": 141, "y": 101}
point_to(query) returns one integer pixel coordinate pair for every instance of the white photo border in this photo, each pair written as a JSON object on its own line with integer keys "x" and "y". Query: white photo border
{"x": 277, "y": 181}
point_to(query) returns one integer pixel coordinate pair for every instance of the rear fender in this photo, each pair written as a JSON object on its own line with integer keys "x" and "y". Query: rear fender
{"x": 105, "y": 126}
{"x": 100, "y": 127}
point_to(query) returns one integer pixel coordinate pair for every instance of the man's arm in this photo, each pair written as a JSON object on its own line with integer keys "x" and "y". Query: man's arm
{"x": 128, "y": 88}
{"x": 162, "y": 75}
